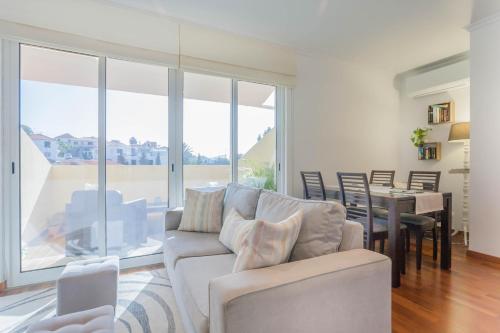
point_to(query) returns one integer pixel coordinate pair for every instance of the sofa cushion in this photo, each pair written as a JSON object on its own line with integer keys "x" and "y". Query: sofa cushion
{"x": 192, "y": 277}
{"x": 185, "y": 244}
{"x": 322, "y": 223}
{"x": 241, "y": 198}
{"x": 268, "y": 244}
{"x": 234, "y": 231}
{"x": 203, "y": 211}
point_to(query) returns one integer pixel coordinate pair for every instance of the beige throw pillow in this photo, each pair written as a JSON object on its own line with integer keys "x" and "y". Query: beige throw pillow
{"x": 234, "y": 230}
{"x": 203, "y": 211}
{"x": 268, "y": 244}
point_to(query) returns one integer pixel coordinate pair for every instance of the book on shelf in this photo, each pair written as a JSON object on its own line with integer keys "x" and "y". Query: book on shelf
{"x": 439, "y": 113}
{"x": 427, "y": 153}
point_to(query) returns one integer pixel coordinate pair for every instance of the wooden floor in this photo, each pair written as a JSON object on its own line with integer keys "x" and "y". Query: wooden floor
{"x": 467, "y": 299}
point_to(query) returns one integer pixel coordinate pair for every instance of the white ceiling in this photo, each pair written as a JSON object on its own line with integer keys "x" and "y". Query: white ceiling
{"x": 394, "y": 34}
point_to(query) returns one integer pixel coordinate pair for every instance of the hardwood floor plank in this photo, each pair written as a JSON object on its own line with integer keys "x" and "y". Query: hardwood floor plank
{"x": 466, "y": 299}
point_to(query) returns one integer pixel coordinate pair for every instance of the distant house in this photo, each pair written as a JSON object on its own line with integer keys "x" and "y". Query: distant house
{"x": 68, "y": 149}
{"x": 72, "y": 147}
{"x": 47, "y": 145}
{"x": 117, "y": 152}
{"x": 160, "y": 155}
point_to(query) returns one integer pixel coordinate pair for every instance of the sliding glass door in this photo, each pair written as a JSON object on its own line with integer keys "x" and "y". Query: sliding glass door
{"x": 257, "y": 135}
{"x": 59, "y": 141}
{"x": 136, "y": 157}
{"x": 101, "y": 148}
{"x": 227, "y": 141}
{"x": 207, "y": 138}
{"x": 58, "y": 157}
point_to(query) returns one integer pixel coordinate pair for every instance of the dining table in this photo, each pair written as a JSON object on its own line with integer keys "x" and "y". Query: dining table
{"x": 397, "y": 202}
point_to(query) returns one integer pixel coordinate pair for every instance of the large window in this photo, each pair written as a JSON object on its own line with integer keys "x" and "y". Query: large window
{"x": 257, "y": 135}
{"x": 101, "y": 148}
{"x": 136, "y": 157}
{"x": 58, "y": 155}
{"x": 207, "y": 138}
{"x": 59, "y": 158}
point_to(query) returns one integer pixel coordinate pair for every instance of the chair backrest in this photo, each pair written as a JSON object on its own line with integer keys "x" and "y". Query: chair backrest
{"x": 355, "y": 196}
{"x": 314, "y": 188}
{"x": 424, "y": 180}
{"x": 382, "y": 177}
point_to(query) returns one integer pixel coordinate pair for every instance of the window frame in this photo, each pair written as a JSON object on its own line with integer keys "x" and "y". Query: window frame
{"x": 10, "y": 155}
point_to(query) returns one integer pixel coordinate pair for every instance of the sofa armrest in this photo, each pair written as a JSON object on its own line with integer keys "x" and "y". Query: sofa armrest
{"x": 341, "y": 292}
{"x": 352, "y": 236}
{"x": 173, "y": 218}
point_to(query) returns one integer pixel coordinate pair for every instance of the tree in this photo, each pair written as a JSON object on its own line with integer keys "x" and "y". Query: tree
{"x": 158, "y": 159}
{"x": 121, "y": 159}
{"x": 132, "y": 141}
{"x": 64, "y": 148}
{"x": 187, "y": 154}
{"x": 27, "y": 129}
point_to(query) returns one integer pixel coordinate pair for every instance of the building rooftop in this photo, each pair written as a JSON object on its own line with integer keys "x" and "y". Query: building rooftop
{"x": 40, "y": 137}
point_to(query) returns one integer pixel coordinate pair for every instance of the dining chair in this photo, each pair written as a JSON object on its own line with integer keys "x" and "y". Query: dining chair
{"x": 419, "y": 224}
{"x": 382, "y": 177}
{"x": 314, "y": 188}
{"x": 355, "y": 196}
{"x": 424, "y": 180}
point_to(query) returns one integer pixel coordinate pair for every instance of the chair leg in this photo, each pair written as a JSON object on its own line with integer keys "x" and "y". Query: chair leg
{"x": 382, "y": 246}
{"x": 407, "y": 240}
{"x": 434, "y": 244}
{"x": 419, "y": 237}
{"x": 403, "y": 251}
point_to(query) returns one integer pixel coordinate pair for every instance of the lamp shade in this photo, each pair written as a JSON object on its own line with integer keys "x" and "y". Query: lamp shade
{"x": 459, "y": 132}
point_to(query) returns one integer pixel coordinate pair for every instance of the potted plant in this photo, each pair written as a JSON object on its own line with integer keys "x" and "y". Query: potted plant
{"x": 418, "y": 136}
{"x": 418, "y": 139}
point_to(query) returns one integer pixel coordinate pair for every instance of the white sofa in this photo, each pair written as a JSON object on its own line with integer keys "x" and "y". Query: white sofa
{"x": 330, "y": 285}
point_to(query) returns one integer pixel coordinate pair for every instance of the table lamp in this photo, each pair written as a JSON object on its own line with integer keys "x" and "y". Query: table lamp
{"x": 460, "y": 132}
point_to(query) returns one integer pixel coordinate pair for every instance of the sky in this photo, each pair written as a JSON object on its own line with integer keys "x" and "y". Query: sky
{"x": 54, "y": 109}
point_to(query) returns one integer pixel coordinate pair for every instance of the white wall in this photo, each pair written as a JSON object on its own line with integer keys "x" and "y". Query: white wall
{"x": 485, "y": 130}
{"x": 2, "y": 225}
{"x": 345, "y": 119}
{"x": 413, "y": 114}
{"x": 351, "y": 118}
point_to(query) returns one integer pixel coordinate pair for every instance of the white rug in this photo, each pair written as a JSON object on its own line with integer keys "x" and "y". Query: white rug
{"x": 145, "y": 304}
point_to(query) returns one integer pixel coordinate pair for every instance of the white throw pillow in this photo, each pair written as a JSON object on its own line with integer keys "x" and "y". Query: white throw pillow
{"x": 234, "y": 230}
{"x": 203, "y": 211}
{"x": 268, "y": 244}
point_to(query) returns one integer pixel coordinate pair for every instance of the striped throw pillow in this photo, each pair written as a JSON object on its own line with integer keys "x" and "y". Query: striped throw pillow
{"x": 203, "y": 211}
{"x": 234, "y": 230}
{"x": 268, "y": 244}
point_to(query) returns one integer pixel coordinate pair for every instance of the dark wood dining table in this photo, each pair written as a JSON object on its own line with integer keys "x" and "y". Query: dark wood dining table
{"x": 397, "y": 203}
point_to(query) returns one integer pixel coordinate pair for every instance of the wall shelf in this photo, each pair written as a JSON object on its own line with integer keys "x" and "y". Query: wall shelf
{"x": 430, "y": 151}
{"x": 441, "y": 113}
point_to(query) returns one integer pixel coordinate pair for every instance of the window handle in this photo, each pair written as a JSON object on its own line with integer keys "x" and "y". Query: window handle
{"x": 13, "y": 167}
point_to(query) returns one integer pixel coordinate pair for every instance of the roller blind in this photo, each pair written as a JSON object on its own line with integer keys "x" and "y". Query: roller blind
{"x": 227, "y": 54}
{"x": 50, "y": 38}
{"x": 121, "y": 32}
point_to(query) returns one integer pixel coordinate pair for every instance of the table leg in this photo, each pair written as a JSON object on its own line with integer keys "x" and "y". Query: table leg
{"x": 446, "y": 225}
{"x": 394, "y": 241}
